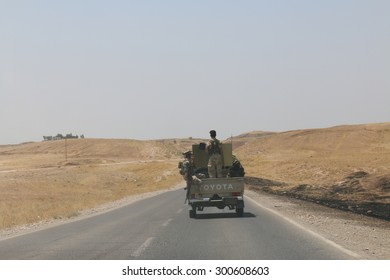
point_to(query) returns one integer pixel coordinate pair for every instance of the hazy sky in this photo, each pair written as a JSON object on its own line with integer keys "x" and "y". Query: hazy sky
{"x": 166, "y": 69}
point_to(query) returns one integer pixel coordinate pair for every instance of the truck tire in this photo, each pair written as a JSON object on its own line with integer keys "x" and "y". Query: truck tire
{"x": 193, "y": 212}
{"x": 240, "y": 212}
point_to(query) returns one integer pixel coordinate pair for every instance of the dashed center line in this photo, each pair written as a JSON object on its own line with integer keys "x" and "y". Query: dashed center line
{"x": 149, "y": 241}
{"x": 167, "y": 222}
{"x": 143, "y": 247}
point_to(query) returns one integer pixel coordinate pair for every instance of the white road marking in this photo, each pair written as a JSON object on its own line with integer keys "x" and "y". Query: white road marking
{"x": 179, "y": 211}
{"x": 143, "y": 247}
{"x": 167, "y": 222}
{"x": 335, "y": 245}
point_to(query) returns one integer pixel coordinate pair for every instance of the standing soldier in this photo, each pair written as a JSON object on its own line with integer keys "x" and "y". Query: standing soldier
{"x": 214, "y": 149}
{"x": 187, "y": 168}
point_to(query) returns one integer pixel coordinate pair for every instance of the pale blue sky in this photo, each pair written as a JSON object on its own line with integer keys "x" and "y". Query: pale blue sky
{"x": 168, "y": 69}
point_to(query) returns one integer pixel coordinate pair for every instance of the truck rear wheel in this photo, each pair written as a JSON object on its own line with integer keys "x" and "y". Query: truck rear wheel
{"x": 240, "y": 212}
{"x": 193, "y": 212}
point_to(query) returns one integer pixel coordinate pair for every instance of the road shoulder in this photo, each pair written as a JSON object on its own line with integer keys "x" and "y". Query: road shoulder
{"x": 365, "y": 236}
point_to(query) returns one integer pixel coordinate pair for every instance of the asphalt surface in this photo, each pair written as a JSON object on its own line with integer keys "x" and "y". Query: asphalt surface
{"x": 159, "y": 227}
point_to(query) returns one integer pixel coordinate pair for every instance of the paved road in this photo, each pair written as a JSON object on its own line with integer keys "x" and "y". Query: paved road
{"x": 159, "y": 227}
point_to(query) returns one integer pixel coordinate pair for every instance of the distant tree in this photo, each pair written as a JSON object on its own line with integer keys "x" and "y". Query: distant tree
{"x": 70, "y": 136}
{"x": 59, "y": 136}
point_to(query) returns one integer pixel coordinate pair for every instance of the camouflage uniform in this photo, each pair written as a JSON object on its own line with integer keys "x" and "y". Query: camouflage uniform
{"x": 237, "y": 170}
{"x": 214, "y": 165}
{"x": 187, "y": 168}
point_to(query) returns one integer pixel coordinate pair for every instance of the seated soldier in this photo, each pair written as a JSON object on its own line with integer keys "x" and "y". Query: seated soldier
{"x": 237, "y": 170}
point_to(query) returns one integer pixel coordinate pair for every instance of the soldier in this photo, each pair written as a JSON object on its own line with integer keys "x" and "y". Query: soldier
{"x": 237, "y": 170}
{"x": 187, "y": 168}
{"x": 214, "y": 150}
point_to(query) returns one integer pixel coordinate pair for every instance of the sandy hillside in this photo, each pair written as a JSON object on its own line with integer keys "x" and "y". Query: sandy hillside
{"x": 89, "y": 151}
{"x": 347, "y": 164}
{"x": 54, "y": 179}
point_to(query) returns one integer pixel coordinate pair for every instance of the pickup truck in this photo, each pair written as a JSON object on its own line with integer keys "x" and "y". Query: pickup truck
{"x": 215, "y": 192}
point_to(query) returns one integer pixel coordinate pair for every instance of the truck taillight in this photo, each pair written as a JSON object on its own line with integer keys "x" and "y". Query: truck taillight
{"x": 236, "y": 194}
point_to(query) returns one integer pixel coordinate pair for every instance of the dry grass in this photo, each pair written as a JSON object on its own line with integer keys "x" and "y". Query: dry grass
{"x": 33, "y": 195}
{"x": 318, "y": 156}
{"x": 346, "y": 167}
{"x": 36, "y": 183}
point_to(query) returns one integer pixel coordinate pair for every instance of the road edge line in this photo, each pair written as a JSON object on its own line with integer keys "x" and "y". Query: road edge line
{"x": 315, "y": 234}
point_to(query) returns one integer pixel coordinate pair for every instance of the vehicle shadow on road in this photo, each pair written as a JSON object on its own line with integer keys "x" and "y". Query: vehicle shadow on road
{"x": 223, "y": 216}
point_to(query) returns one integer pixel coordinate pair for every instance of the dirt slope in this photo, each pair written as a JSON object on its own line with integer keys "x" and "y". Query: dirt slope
{"x": 344, "y": 166}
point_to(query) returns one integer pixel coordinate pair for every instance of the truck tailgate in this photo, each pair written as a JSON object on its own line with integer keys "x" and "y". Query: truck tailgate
{"x": 220, "y": 186}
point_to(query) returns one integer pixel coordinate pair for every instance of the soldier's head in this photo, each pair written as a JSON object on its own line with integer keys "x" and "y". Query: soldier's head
{"x": 213, "y": 133}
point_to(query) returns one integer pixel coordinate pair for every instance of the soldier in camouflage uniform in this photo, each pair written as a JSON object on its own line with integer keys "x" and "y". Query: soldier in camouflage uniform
{"x": 187, "y": 168}
{"x": 214, "y": 149}
{"x": 236, "y": 170}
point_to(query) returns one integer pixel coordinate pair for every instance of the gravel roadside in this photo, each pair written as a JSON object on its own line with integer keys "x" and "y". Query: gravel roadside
{"x": 367, "y": 237}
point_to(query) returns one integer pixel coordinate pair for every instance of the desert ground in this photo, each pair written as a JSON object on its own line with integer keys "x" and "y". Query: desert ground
{"x": 344, "y": 167}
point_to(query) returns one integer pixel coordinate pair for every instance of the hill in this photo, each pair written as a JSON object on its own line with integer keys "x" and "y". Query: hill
{"x": 90, "y": 151}
{"x": 344, "y": 166}
{"x": 58, "y": 179}
{"x": 319, "y": 155}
